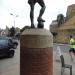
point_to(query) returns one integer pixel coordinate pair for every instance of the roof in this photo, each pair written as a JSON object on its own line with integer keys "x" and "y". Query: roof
{"x": 70, "y": 24}
{"x": 54, "y": 22}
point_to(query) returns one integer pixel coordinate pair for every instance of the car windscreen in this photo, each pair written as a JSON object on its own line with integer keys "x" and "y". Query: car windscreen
{"x": 3, "y": 43}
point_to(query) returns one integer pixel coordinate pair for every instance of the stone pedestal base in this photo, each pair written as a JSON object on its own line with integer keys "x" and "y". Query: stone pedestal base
{"x": 36, "y": 53}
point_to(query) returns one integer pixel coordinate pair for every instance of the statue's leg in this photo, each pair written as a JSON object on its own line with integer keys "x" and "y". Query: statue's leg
{"x": 42, "y": 4}
{"x": 32, "y": 15}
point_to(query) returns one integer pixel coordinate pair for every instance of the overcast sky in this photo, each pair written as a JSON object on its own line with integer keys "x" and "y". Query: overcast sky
{"x": 22, "y": 9}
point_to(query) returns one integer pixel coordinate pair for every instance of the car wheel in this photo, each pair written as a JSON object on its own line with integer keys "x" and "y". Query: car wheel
{"x": 15, "y": 46}
{"x": 11, "y": 53}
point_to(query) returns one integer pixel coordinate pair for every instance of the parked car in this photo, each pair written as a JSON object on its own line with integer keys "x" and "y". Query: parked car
{"x": 7, "y": 46}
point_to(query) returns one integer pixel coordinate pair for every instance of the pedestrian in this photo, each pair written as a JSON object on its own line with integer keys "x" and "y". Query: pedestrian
{"x": 58, "y": 53}
{"x": 32, "y": 3}
{"x": 72, "y": 47}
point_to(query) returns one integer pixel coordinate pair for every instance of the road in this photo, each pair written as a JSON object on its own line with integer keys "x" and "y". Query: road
{"x": 63, "y": 47}
{"x": 57, "y": 64}
{"x": 11, "y": 66}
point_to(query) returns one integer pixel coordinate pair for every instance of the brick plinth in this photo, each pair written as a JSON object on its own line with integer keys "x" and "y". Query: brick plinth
{"x": 36, "y": 57}
{"x": 36, "y": 61}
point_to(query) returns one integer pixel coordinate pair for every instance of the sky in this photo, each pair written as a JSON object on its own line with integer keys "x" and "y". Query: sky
{"x": 22, "y": 9}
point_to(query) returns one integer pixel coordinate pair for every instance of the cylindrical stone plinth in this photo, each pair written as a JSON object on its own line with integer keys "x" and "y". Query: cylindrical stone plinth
{"x": 36, "y": 56}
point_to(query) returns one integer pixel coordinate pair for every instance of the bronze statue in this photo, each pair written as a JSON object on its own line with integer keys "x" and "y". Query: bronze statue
{"x": 39, "y": 19}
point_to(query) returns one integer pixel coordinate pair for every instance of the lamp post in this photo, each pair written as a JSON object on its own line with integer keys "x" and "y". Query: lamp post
{"x": 14, "y": 16}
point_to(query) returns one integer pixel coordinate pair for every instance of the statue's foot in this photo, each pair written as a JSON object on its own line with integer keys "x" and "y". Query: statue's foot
{"x": 32, "y": 26}
{"x": 40, "y": 19}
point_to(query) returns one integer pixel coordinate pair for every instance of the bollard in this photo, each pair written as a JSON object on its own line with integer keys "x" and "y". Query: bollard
{"x": 36, "y": 52}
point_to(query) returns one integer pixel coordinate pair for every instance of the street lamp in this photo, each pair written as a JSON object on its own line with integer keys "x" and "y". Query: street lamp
{"x": 14, "y": 15}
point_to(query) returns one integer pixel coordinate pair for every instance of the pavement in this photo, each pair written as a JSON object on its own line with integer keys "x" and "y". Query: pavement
{"x": 57, "y": 64}
{"x": 11, "y": 66}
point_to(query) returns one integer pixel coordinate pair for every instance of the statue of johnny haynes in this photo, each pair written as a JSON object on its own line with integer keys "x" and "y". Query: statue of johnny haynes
{"x": 32, "y": 3}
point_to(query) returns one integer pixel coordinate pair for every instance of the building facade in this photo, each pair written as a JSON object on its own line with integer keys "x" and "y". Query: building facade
{"x": 61, "y": 34}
